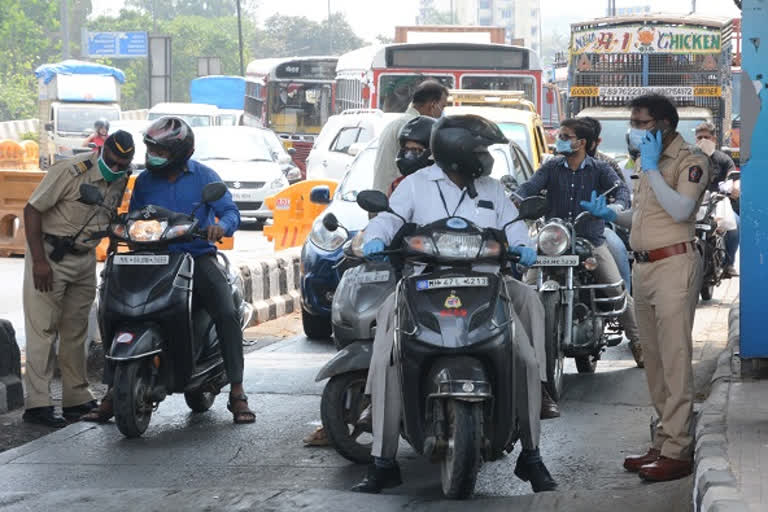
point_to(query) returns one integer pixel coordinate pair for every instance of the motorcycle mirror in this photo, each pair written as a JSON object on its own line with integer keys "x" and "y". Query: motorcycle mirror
{"x": 532, "y": 208}
{"x": 213, "y": 191}
{"x": 320, "y": 195}
{"x": 330, "y": 222}
{"x": 373, "y": 201}
{"x": 509, "y": 181}
{"x": 90, "y": 194}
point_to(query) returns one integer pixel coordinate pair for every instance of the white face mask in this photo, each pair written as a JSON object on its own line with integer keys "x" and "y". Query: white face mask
{"x": 707, "y": 146}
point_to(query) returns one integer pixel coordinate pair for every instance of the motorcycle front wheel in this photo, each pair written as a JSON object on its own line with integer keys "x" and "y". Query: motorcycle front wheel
{"x": 133, "y": 407}
{"x": 343, "y": 403}
{"x": 461, "y": 462}
{"x": 554, "y": 351}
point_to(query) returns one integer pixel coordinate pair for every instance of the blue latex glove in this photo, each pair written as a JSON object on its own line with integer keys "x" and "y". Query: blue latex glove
{"x": 372, "y": 247}
{"x": 527, "y": 255}
{"x": 650, "y": 151}
{"x": 598, "y": 207}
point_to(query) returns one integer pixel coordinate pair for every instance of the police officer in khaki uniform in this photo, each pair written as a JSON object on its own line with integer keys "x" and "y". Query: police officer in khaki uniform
{"x": 60, "y": 273}
{"x": 666, "y": 276}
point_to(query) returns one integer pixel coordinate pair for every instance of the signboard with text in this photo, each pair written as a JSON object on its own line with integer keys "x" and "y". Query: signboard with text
{"x": 614, "y": 93}
{"x": 646, "y": 39}
{"x": 116, "y": 44}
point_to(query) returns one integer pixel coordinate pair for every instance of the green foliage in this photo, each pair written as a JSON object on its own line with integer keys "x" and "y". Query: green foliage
{"x": 29, "y": 136}
{"x": 429, "y": 15}
{"x": 170, "y": 9}
{"x": 288, "y": 36}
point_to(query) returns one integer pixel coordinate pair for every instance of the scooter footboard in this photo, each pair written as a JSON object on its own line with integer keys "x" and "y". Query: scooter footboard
{"x": 135, "y": 342}
{"x": 355, "y": 356}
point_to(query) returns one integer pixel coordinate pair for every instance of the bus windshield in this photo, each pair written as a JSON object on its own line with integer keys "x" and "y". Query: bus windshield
{"x": 396, "y": 91}
{"x": 296, "y": 107}
{"x": 527, "y": 84}
{"x": 80, "y": 119}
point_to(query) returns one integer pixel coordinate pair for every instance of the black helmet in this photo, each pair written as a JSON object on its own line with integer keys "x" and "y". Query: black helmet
{"x": 460, "y": 144}
{"x": 418, "y": 129}
{"x": 101, "y": 123}
{"x": 175, "y": 135}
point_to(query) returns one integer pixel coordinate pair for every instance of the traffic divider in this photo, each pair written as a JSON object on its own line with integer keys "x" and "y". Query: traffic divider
{"x": 16, "y": 187}
{"x": 11, "y": 155}
{"x": 293, "y": 213}
{"x": 31, "y": 155}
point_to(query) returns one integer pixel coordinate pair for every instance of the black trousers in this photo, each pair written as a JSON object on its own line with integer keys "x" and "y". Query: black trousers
{"x": 212, "y": 291}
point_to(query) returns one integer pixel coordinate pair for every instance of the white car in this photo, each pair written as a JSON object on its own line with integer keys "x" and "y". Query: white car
{"x": 341, "y": 138}
{"x": 195, "y": 114}
{"x": 243, "y": 158}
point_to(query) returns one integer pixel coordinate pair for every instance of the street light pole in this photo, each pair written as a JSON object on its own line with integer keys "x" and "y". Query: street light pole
{"x": 240, "y": 38}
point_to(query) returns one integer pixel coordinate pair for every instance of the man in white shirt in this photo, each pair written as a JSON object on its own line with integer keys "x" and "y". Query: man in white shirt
{"x": 458, "y": 185}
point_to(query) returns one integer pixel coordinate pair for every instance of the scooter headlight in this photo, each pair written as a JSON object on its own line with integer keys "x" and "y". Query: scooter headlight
{"x": 553, "y": 239}
{"x": 147, "y": 230}
{"x": 458, "y": 246}
{"x": 178, "y": 230}
{"x": 422, "y": 244}
{"x": 327, "y": 240}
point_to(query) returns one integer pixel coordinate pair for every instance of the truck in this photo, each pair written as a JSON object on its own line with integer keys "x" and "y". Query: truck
{"x": 72, "y": 96}
{"x": 684, "y": 57}
{"x": 225, "y": 92}
{"x": 449, "y": 34}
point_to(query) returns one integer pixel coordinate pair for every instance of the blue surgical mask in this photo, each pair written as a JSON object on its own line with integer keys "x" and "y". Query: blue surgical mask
{"x": 636, "y": 136}
{"x": 563, "y": 147}
{"x": 156, "y": 160}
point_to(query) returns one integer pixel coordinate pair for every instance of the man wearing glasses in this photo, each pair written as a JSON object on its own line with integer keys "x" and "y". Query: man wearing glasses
{"x": 666, "y": 277}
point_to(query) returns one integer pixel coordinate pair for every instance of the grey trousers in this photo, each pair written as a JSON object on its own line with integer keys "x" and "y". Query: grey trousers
{"x": 384, "y": 383}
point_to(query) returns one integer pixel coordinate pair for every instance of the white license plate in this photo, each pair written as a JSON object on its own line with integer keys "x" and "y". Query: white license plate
{"x": 379, "y": 276}
{"x": 244, "y": 195}
{"x": 141, "y": 259}
{"x": 704, "y": 227}
{"x": 571, "y": 260}
{"x": 451, "y": 282}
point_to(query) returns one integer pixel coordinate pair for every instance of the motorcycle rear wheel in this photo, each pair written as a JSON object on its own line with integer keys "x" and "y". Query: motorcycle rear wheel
{"x": 343, "y": 402}
{"x": 132, "y": 405}
{"x": 461, "y": 462}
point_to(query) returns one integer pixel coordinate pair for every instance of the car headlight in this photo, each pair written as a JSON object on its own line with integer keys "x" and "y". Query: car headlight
{"x": 146, "y": 230}
{"x": 327, "y": 240}
{"x": 554, "y": 239}
{"x": 279, "y": 182}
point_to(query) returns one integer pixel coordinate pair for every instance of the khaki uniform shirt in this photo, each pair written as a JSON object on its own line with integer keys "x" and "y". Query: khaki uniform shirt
{"x": 56, "y": 198}
{"x": 385, "y": 169}
{"x": 686, "y": 170}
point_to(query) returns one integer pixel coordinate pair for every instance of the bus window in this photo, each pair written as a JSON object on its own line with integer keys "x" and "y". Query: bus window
{"x": 396, "y": 91}
{"x": 299, "y": 106}
{"x": 527, "y": 84}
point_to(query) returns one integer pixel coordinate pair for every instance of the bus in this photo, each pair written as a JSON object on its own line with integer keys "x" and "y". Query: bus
{"x": 385, "y": 76}
{"x": 293, "y": 97}
{"x": 684, "y": 57}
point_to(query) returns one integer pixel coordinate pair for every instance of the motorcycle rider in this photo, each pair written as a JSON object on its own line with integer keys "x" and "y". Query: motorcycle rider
{"x": 571, "y": 178}
{"x": 99, "y": 135}
{"x": 457, "y": 185}
{"x": 174, "y": 181}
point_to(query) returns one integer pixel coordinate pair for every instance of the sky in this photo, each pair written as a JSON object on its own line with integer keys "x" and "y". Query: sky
{"x": 371, "y": 18}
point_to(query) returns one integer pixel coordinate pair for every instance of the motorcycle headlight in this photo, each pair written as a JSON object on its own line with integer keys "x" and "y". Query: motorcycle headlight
{"x": 146, "y": 230}
{"x": 553, "y": 239}
{"x": 458, "y": 246}
{"x": 178, "y": 230}
{"x": 327, "y": 240}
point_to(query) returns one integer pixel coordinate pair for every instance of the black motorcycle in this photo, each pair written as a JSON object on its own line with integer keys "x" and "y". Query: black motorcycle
{"x": 453, "y": 348}
{"x": 158, "y": 342}
{"x": 712, "y": 245}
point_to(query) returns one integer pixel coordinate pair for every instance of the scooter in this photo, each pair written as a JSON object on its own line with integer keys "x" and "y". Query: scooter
{"x": 712, "y": 245}
{"x": 453, "y": 348}
{"x": 159, "y": 342}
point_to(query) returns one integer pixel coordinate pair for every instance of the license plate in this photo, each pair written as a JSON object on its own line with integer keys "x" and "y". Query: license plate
{"x": 557, "y": 261}
{"x": 704, "y": 227}
{"x": 379, "y": 276}
{"x": 244, "y": 195}
{"x": 141, "y": 259}
{"x": 451, "y": 282}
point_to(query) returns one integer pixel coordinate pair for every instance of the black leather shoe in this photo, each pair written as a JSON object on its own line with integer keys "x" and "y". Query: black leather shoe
{"x": 531, "y": 468}
{"x": 44, "y": 416}
{"x": 76, "y": 411}
{"x": 378, "y": 479}
{"x": 549, "y": 408}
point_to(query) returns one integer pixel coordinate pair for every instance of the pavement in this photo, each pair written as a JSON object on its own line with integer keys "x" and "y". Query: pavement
{"x": 203, "y": 462}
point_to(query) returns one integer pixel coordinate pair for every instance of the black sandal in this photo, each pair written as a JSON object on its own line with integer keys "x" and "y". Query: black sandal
{"x": 244, "y": 415}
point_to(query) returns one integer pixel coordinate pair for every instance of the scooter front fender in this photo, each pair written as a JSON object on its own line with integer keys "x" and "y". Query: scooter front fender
{"x": 355, "y": 356}
{"x": 135, "y": 342}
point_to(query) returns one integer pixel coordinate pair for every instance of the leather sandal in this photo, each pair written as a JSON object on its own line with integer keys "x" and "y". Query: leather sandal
{"x": 101, "y": 414}
{"x": 243, "y": 415}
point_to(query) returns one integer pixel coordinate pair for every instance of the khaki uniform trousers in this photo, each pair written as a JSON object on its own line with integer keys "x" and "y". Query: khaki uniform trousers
{"x": 666, "y": 293}
{"x": 384, "y": 381}
{"x": 62, "y": 312}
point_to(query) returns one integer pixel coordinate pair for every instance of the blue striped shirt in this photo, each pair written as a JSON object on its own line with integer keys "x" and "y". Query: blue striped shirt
{"x": 566, "y": 188}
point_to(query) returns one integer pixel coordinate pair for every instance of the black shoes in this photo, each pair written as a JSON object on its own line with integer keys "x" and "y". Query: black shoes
{"x": 378, "y": 479}
{"x": 549, "y": 408}
{"x": 44, "y": 416}
{"x": 531, "y": 468}
{"x": 74, "y": 413}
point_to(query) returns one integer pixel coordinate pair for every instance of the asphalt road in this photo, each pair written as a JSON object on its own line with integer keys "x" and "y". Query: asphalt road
{"x": 12, "y": 271}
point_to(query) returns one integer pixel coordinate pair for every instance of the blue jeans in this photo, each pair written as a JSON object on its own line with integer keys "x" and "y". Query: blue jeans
{"x": 732, "y": 243}
{"x": 619, "y": 252}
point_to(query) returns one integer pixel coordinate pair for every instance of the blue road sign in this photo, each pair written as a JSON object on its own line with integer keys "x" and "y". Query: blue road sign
{"x": 117, "y": 44}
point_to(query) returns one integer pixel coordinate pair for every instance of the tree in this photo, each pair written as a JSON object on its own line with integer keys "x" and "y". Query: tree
{"x": 286, "y": 36}
{"x": 429, "y": 15}
{"x": 170, "y": 9}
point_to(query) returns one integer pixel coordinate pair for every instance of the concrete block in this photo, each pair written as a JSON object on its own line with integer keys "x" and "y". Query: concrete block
{"x": 728, "y": 506}
{"x": 710, "y": 440}
{"x": 709, "y": 479}
{"x": 721, "y": 496}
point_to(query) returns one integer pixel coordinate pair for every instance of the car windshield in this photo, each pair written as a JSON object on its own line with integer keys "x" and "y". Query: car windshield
{"x": 359, "y": 177}
{"x": 192, "y": 120}
{"x": 518, "y": 133}
{"x": 80, "y": 120}
{"x": 222, "y": 144}
{"x": 614, "y": 134}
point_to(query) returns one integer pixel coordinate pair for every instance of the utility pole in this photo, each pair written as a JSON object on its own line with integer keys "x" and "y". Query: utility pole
{"x": 154, "y": 16}
{"x": 330, "y": 30}
{"x": 693, "y": 6}
{"x": 65, "y": 29}
{"x": 239, "y": 37}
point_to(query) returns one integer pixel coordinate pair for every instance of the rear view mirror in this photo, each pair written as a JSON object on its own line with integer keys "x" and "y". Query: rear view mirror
{"x": 509, "y": 181}
{"x": 291, "y": 151}
{"x": 355, "y": 148}
{"x": 49, "y": 127}
{"x": 330, "y": 222}
{"x": 90, "y": 194}
{"x": 532, "y": 208}
{"x": 213, "y": 192}
{"x": 320, "y": 195}
{"x": 373, "y": 201}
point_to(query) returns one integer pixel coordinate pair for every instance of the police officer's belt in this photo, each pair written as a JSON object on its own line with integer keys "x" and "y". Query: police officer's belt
{"x": 56, "y": 241}
{"x": 664, "y": 252}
